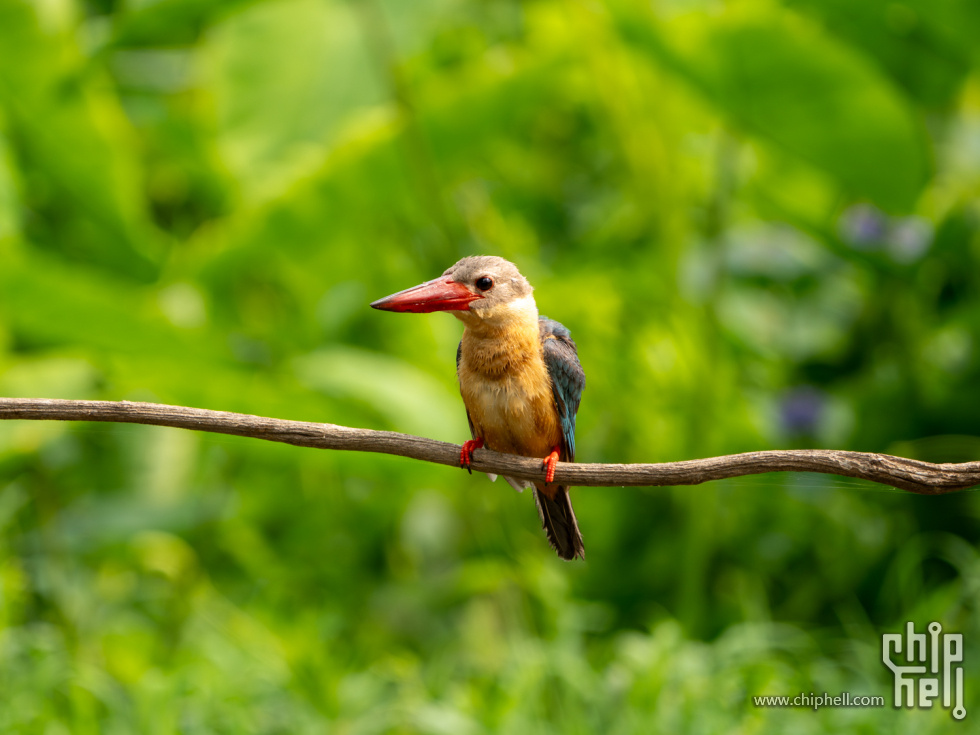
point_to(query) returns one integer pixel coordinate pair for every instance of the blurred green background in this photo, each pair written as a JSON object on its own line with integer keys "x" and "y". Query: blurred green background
{"x": 757, "y": 218}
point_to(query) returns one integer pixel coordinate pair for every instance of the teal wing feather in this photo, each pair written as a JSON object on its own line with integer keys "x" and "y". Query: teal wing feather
{"x": 567, "y": 378}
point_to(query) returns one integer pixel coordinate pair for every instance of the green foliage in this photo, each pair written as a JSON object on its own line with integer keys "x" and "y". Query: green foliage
{"x": 776, "y": 76}
{"x": 757, "y": 218}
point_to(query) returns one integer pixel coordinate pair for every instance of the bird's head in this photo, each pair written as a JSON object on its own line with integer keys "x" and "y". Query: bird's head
{"x": 481, "y": 289}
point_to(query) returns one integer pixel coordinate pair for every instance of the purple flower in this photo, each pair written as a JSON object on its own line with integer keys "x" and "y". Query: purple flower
{"x": 864, "y": 226}
{"x": 801, "y": 409}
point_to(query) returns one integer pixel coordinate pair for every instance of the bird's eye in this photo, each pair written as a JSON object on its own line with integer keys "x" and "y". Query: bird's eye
{"x": 484, "y": 283}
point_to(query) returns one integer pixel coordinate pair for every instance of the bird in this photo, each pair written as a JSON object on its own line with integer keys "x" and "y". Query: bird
{"x": 519, "y": 376}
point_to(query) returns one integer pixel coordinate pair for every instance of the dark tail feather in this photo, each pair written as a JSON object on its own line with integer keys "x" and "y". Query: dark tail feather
{"x": 559, "y": 522}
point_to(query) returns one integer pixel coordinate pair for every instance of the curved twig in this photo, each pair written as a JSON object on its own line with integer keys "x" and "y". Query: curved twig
{"x": 907, "y": 474}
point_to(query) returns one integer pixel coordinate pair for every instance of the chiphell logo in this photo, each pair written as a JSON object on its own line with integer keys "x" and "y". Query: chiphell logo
{"x": 923, "y": 665}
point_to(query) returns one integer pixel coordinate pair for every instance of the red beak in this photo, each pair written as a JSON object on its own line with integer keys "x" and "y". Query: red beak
{"x": 439, "y": 294}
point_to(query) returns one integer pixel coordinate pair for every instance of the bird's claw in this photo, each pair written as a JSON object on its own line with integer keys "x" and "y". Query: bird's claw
{"x": 466, "y": 453}
{"x": 548, "y": 463}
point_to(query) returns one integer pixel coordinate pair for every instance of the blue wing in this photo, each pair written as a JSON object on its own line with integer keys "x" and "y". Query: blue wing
{"x": 567, "y": 378}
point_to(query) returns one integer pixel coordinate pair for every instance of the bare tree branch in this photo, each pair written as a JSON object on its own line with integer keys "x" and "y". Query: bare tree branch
{"x": 907, "y": 474}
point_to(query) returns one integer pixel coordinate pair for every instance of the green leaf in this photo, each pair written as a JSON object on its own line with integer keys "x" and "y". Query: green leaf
{"x": 9, "y": 196}
{"x": 956, "y": 23}
{"x": 283, "y": 77}
{"x": 412, "y": 400}
{"x": 780, "y": 78}
{"x": 75, "y": 140}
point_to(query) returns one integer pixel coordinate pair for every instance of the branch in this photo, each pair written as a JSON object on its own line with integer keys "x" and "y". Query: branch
{"x": 907, "y": 474}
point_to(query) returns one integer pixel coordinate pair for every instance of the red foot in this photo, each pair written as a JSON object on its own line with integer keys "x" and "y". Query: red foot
{"x": 466, "y": 453}
{"x": 549, "y": 463}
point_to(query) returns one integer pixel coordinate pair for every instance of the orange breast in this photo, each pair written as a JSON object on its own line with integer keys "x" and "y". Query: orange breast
{"x": 507, "y": 392}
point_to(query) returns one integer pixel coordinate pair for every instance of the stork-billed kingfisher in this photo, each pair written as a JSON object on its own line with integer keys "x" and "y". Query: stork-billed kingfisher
{"x": 519, "y": 376}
